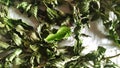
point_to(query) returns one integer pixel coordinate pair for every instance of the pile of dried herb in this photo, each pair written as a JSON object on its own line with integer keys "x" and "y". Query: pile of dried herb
{"x": 25, "y": 46}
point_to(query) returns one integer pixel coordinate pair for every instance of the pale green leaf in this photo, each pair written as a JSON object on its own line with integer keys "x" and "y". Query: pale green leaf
{"x": 17, "y": 39}
{"x": 4, "y": 44}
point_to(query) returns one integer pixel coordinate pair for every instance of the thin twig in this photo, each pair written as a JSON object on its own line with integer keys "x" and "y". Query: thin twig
{"x": 112, "y": 56}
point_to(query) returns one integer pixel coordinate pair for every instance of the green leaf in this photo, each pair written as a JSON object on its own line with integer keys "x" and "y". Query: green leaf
{"x": 3, "y": 11}
{"x": 30, "y": 8}
{"x": 17, "y": 39}
{"x": 24, "y": 5}
{"x": 61, "y": 33}
{"x": 84, "y": 6}
{"x": 4, "y": 45}
{"x": 52, "y": 14}
{"x": 32, "y": 61}
{"x": 34, "y": 11}
{"x": 34, "y": 47}
{"x": 18, "y": 61}
{"x": 38, "y": 57}
{"x": 50, "y": 37}
{"x": 6, "y": 2}
{"x": 16, "y": 53}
